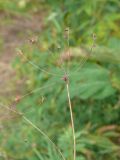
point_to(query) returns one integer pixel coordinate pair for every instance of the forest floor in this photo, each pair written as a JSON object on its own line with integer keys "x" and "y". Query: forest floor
{"x": 14, "y": 31}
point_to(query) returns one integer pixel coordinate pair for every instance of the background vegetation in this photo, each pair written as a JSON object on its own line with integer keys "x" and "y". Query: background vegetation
{"x": 95, "y": 87}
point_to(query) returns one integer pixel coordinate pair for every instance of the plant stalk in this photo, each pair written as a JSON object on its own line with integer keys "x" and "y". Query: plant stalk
{"x": 72, "y": 121}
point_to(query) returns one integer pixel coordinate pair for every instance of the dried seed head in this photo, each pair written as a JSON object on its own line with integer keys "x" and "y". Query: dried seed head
{"x": 22, "y": 56}
{"x": 33, "y": 40}
{"x": 19, "y": 52}
{"x": 17, "y": 98}
{"x": 65, "y": 78}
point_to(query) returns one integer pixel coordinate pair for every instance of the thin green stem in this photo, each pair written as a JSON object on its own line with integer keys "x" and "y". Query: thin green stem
{"x": 39, "y": 130}
{"x": 72, "y": 121}
{"x": 35, "y": 127}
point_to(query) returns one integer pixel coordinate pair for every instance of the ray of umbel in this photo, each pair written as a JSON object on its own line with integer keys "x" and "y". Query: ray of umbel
{"x": 34, "y": 65}
{"x": 83, "y": 61}
{"x": 66, "y": 72}
{"x": 35, "y": 127}
{"x": 66, "y": 79}
{"x": 36, "y": 90}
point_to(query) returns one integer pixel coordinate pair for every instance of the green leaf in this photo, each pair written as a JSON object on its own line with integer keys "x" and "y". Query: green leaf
{"x": 92, "y": 81}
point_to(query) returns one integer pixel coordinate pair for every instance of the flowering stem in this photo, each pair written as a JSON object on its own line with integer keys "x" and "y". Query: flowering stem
{"x": 72, "y": 121}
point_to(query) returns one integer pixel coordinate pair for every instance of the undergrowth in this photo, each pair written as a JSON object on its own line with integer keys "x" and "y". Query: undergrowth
{"x": 94, "y": 88}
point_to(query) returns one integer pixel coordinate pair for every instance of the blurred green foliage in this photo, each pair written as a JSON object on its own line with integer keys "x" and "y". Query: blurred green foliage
{"x": 21, "y": 7}
{"x": 95, "y": 87}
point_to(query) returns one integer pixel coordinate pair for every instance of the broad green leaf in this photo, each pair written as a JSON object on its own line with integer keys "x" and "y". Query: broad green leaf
{"x": 93, "y": 81}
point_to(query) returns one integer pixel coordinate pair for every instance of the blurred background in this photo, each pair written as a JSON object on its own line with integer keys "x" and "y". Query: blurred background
{"x": 31, "y": 82}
